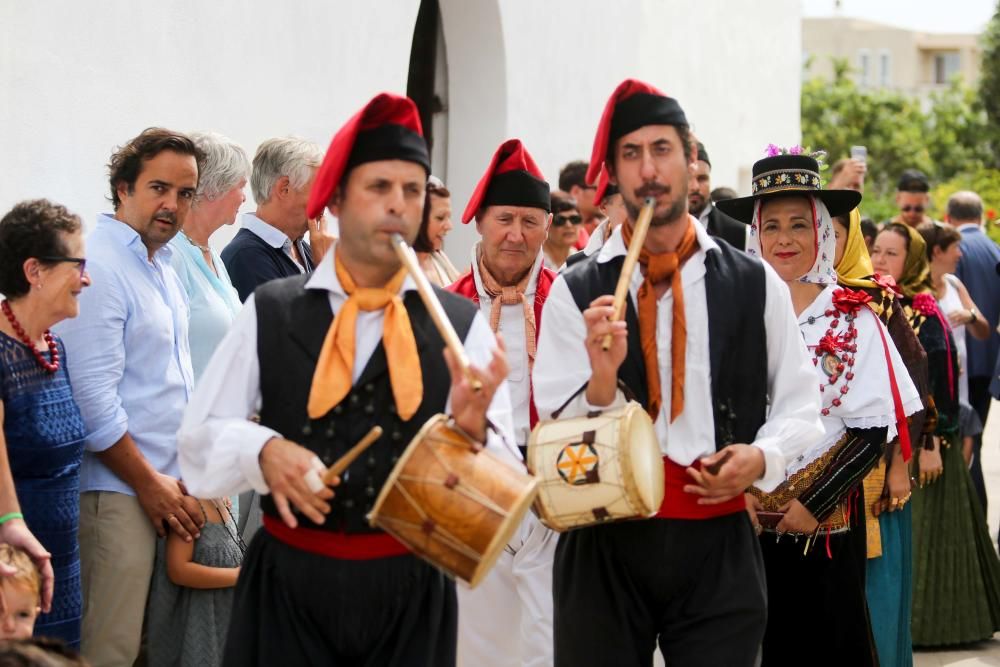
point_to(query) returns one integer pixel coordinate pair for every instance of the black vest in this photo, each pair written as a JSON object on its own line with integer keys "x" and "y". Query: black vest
{"x": 736, "y": 293}
{"x": 292, "y": 323}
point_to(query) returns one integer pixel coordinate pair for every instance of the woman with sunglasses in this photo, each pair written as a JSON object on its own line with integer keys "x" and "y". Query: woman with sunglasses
{"x": 434, "y": 226}
{"x": 563, "y": 232}
{"x": 42, "y": 272}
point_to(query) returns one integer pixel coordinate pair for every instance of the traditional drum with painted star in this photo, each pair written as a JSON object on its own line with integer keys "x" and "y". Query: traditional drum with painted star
{"x": 606, "y": 466}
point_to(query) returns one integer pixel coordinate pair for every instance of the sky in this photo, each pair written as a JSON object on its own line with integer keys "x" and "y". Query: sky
{"x": 922, "y": 15}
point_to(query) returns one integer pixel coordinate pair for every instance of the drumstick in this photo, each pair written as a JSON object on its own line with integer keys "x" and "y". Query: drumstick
{"x": 344, "y": 462}
{"x": 409, "y": 259}
{"x": 714, "y": 468}
{"x": 628, "y": 266}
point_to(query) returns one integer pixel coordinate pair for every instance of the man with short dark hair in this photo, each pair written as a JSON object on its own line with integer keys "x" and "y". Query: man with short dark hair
{"x": 913, "y": 198}
{"x": 130, "y": 364}
{"x": 700, "y": 205}
{"x": 572, "y": 180}
{"x": 710, "y": 348}
{"x": 977, "y": 269}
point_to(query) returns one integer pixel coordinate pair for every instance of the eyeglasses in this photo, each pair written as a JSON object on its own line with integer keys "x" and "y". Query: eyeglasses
{"x": 561, "y": 220}
{"x": 54, "y": 259}
{"x": 915, "y": 209}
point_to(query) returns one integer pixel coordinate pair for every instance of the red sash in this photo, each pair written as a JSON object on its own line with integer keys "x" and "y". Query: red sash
{"x": 680, "y": 505}
{"x": 342, "y": 546}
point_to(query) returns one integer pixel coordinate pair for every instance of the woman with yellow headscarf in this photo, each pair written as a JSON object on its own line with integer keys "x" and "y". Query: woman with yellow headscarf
{"x": 888, "y": 581}
{"x": 956, "y": 572}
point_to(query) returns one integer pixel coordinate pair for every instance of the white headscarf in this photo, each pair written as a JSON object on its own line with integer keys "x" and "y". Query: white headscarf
{"x": 823, "y": 271}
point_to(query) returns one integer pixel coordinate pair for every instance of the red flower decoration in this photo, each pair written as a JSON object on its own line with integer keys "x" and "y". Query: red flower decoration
{"x": 849, "y": 301}
{"x": 991, "y": 214}
{"x": 830, "y": 344}
{"x": 925, "y": 304}
{"x": 886, "y": 283}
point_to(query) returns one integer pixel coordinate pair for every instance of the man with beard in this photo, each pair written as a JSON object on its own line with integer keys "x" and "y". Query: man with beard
{"x": 700, "y": 205}
{"x": 710, "y": 348}
{"x": 507, "y": 619}
{"x": 129, "y": 361}
{"x": 325, "y": 357}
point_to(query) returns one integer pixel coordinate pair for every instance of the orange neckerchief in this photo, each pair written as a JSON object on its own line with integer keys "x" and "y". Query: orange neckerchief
{"x": 656, "y": 269}
{"x": 506, "y": 296}
{"x": 334, "y": 373}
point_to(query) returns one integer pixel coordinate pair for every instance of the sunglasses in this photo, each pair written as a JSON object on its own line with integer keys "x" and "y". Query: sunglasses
{"x": 561, "y": 220}
{"x": 54, "y": 259}
{"x": 915, "y": 209}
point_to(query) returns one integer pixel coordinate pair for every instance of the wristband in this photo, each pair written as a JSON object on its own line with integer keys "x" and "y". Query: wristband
{"x": 10, "y": 516}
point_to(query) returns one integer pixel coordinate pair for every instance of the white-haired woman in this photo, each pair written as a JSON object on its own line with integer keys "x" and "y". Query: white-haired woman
{"x": 213, "y": 299}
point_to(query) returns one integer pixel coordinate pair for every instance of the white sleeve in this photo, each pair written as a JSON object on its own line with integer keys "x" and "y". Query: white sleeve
{"x": 793, "y": 422}
{"x": 562, "y": 364}
{"x": 218, "y": 445}
{"x": 479, "y": 345}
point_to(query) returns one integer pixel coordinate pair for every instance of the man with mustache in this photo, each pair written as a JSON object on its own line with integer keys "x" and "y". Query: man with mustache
{"x": 710, "y": 347}
{"x": 325, "y": 358}
{"x": 700, "y": 205}
{"x": 507, "y": 619}
{"x": 130, "y": 365}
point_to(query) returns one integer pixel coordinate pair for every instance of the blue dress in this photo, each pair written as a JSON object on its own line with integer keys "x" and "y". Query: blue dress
{"x": 44, "y": 434}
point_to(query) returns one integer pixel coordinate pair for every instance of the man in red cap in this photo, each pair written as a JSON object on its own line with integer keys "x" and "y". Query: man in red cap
{"x": 710, "y": 347}
{"x": 322, "y": 359}
{"x": 507, "y": 619}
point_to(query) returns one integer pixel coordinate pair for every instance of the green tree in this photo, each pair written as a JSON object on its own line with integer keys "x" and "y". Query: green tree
{"x": 989, "y": 84}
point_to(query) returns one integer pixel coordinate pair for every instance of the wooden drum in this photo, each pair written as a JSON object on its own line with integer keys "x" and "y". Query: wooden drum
{"x": 597, "y": 468}
{"x": 452, "y": 502}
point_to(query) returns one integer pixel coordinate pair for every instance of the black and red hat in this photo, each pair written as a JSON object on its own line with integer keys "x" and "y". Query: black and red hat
{"x": 511, "y": 179}
{"x": 387, "y": 128}
{"x": 634, "y": 104}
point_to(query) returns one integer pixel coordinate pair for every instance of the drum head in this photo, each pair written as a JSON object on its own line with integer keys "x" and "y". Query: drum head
{"x": 647, "y": 460}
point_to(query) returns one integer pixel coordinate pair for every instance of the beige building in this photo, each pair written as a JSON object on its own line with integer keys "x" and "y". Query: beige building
{"x": 883, "y": 56}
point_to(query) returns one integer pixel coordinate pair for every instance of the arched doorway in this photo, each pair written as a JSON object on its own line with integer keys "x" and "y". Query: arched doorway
{"x": 458, "y": 78}
{"x": 427, "y": 82}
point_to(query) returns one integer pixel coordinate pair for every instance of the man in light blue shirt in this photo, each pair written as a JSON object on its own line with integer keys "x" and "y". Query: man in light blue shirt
{"x": 130, "y": 366}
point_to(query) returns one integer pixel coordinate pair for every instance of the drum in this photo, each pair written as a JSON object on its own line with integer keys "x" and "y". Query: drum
{"x": 598, "y": 468}
{"x": 452, "y": 502}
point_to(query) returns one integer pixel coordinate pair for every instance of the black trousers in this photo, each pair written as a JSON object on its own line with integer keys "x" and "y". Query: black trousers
{"x": 696, "y": 587}
{"x": 979, "y": 399}
{"x": 295, "y": 608}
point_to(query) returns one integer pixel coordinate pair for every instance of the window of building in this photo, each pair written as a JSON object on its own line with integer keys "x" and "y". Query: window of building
{"x": 946, "y": 65}
{"x": 864, "y": 67}
{"x": 884, "y": 69}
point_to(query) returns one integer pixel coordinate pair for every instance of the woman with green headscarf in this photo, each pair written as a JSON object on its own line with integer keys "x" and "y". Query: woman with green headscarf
{"x": 956, "y": 572}
{"x": 888, "y": 578}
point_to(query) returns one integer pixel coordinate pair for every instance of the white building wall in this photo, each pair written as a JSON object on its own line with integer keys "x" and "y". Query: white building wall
{"x": 77, "y": 79}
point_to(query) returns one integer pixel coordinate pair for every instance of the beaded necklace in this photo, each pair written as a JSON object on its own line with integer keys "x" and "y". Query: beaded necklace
{"x": 52, "y": 366}
{"x": 836, "y": 350}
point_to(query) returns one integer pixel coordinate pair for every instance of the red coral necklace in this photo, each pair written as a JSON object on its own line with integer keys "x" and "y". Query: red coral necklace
{"x": 52, "y": 366}
{"x": 837, "y": 350}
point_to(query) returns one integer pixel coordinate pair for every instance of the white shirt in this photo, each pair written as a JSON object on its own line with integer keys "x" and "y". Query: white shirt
{"x": 512, "y": 328}
{"x": 868, "y": 402}
{"x": 218, "y": 444}
{"x": 792, "y": 425}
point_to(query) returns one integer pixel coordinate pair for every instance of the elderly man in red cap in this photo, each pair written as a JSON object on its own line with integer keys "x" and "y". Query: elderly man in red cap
{"x": 710, "y": 348}
{"x": 507, "y": 619}
{"x": 322, "y": 359}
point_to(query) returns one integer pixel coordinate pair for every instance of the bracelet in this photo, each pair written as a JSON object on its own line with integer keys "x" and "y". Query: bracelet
{"x": 10, "y": 516}
{"x": 972, "y": 316}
